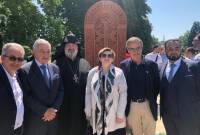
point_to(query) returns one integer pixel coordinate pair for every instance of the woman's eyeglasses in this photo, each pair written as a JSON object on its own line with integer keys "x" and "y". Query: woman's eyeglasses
{"x": 13, "y": 58}
{"x": 107, "y": 55}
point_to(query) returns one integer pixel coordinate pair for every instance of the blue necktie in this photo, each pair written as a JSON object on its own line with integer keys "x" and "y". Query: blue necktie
{"x": 44, "y": 73}
{"x": 170, "y": 77}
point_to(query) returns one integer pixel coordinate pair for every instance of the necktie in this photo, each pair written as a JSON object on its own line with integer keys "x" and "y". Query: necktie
{"x": 170, "y": 77}
{"x": 156, "y": 58}
{"x": 44, "y": 73}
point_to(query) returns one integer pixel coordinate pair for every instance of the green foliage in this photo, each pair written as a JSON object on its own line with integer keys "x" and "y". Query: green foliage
{"x": 194, "y": 31}
{"x": 138, "y": 23}
{"x": 184, "y": 39}
{"x": 28, "y": 51}
{"x": 21, "y": 21}
{"x": 72, "y": 12}
{"x": 155, "y": 40}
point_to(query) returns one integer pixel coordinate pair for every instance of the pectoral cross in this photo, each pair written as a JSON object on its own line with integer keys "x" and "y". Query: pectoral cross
{"x": 75, "y": 78}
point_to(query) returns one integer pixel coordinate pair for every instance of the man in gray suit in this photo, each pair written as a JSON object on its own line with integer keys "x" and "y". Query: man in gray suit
{"x": 180, "y": 93}
{"x": 42, "y": 91}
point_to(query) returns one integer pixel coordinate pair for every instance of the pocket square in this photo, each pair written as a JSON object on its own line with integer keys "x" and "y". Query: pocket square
{"x": 55, "y": 76}
{"x": 188, "y": 76}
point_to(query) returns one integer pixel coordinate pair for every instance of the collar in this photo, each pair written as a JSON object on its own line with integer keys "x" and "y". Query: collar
{"x": 177, "y": 62}
{"x": 39, "y": 64}
{"x": 8, "y": 74}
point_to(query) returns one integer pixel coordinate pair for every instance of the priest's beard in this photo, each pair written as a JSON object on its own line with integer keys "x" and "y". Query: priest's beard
{"x": 71, "y": 54}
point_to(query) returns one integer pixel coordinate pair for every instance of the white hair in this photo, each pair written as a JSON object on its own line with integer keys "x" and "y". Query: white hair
{"x": 8, "y": 45}
{"x": 39, "y": 42}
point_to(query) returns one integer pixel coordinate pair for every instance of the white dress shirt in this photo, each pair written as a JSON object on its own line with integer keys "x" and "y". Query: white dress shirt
{"x": 18, "y": 96}
{"x": 168, "y": 68}
{"x": 155, "y": 57}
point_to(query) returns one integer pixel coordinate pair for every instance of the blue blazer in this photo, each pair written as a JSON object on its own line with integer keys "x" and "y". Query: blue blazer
{"x": 38, "y": 96}
{"x": 7, "y": 105}
{"x": 185, "y": 86}
{"x": 152, "y": 83}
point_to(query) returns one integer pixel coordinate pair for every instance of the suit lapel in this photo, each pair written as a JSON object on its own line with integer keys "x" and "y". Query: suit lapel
{"x": 162, "y": 71}
{"x": 37, "y": 74}
{"x": 180, "y": 72}
{"x": 6, "y": 81}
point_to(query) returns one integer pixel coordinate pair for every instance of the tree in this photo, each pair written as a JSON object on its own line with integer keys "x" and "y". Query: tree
{"x": 155, "y": 40}
{"x": 25, "y": 23}
{"x": 138, "y": 23}
{"x": 193, "y": 32}
{"x": 184, "y": 39}
{"x": 4, "y": 13}
{"x": 72, "y": 12}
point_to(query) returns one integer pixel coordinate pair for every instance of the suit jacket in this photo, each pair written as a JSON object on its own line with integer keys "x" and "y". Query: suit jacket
{"x": 185, "y": 87}
{"x": 7, "y": 105}
{"x": 152, "y": 83}
{"x": 38, "y": 96}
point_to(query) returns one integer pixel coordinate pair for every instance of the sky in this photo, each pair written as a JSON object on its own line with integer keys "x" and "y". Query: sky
{"x": 172, "y": 18}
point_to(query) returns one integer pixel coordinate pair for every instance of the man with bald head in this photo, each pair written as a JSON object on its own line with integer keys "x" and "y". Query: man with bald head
{"x": 11, "y": 96}
{"x": 42, "y": 91}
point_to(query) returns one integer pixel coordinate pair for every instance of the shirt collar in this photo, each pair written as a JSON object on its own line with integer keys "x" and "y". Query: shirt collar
{"x": 176, "y": 63}
{"x": 39, "y": 64}
{"x": 8, "y": 74}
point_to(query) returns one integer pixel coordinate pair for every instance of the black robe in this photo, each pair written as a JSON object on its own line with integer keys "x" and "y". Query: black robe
{"x": 72, "y": 119}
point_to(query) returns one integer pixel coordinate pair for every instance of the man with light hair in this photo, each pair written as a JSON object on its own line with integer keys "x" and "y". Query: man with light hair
{"x": 43, "y": 91}
{"x": 142, "y": 78}
{"x": 11, "y": 95}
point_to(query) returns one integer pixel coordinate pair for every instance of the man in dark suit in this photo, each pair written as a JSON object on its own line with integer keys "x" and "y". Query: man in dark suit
{"x": 11, "y": 96}
{"x": 42, "y": 91}
{"x": 142, "y": 78}
{"x": 180, "y": 93}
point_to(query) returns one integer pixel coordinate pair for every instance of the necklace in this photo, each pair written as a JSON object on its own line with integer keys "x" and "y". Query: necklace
{"x": 74, "y": 72}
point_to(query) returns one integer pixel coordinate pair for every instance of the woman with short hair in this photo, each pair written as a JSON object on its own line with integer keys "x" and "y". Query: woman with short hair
{"x": 106, "y": 96}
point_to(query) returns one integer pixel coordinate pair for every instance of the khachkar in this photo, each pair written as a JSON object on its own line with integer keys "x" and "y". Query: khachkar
{"x": 105, "y": 26}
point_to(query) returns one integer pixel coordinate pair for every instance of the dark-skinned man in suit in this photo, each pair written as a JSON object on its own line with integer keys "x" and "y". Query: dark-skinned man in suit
{"x": 179, "y": 93}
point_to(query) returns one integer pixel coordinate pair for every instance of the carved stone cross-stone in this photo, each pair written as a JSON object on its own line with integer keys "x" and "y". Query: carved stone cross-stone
{"x": 105, "y": 26}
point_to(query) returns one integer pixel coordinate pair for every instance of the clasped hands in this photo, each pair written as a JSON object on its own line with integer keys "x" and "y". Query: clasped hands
{"x": 49, "y": 115}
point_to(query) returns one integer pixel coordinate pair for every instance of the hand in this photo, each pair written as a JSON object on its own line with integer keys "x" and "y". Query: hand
{"x": 49, "y": 115}
{"x": 119, "y": 120}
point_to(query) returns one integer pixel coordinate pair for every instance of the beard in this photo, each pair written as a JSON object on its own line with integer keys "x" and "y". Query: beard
{"x": 71, "y": 54}
{"x": 173, "y": 58}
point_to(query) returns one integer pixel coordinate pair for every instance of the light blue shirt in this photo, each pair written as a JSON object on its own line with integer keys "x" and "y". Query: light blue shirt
{"x": 168, "y": 68}
{"x": 39, "y": 64}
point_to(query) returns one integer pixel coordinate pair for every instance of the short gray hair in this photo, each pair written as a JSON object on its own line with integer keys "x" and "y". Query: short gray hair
{"x": 134, "y": 40}
{"x": 8, "y": 45}
{"x": 40, "y": 41}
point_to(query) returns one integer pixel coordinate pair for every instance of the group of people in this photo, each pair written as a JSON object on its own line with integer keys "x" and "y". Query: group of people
{"x": 68, "y": 97}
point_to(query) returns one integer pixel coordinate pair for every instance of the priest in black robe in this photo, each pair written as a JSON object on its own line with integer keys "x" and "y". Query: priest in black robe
{"x": 74, "y": 72}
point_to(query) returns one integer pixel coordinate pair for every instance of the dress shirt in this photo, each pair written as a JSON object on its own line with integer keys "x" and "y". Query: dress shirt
{"x": 39, "y": 64}
{"x": 18, "y": 96}
{"x": 177, "y": 65}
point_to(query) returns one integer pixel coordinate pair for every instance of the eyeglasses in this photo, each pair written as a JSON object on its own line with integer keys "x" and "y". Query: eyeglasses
{"x": 106, "y": 55}
{"x": 134, "y": 49}
{"x": 13, "y": 58}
